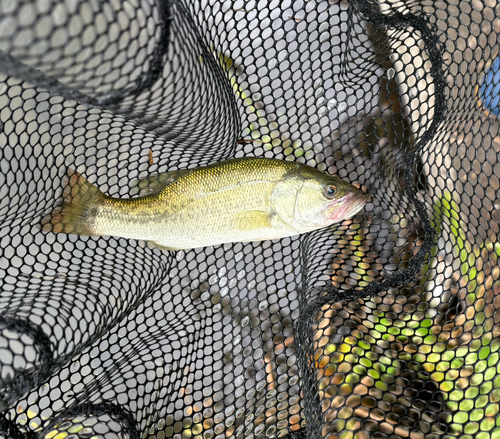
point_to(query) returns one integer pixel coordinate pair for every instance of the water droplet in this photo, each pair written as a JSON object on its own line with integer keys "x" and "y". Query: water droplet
{"x": 217, "y": 308}
{"x": 332, "y": 103}
{"x": 263, "y": 305}
{"x": 390, "y": 73}
{"x": 283, "y": 55}
{"x": 318, "y": 83}
{"x": 75, "y": 366}
{"x": 322, "y": 111}
{"x": 323, "y": 27}
{"x": 272, "y": 63}
{"x": 325, "y": 36}
{"x": 245, "y": 321}
{"x": 319, "y": 92}
{"x": 342, "y": 107}
{"x": 303, "y": 119}
{"x": 237, "y": 340}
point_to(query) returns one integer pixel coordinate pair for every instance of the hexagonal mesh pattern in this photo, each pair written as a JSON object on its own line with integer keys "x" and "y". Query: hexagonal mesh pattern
{"x": 383, "y": 326}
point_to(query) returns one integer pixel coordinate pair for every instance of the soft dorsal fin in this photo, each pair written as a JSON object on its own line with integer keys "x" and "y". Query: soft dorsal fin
{"x": 155, "y": 183}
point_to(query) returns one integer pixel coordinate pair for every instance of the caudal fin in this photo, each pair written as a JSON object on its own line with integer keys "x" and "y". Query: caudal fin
{"x": 77, "y": 213}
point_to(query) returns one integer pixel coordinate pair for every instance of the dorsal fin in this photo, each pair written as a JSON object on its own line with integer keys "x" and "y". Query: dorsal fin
{"x": 155, "y": 183}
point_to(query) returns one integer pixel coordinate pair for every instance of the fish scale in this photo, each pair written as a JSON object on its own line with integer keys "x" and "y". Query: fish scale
{"x": 238, "y": 200}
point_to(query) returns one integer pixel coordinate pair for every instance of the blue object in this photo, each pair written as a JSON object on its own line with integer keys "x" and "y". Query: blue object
{"x": 489, "y": 88}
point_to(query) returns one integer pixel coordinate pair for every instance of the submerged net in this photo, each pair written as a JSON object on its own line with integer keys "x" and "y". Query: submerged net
{"x": 383, "y": 326}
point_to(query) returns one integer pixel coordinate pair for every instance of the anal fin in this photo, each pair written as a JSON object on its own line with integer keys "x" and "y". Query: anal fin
{"x": 153, "y": 244}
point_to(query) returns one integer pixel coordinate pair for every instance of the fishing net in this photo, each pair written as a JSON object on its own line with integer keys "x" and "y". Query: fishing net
{"x": 383, "y": 326}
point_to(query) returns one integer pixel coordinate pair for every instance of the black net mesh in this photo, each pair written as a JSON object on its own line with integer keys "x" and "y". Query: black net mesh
{"x": 384, "y": 326}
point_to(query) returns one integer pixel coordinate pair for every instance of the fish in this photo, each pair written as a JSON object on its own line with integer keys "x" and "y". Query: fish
{"x": 238, "y": 200}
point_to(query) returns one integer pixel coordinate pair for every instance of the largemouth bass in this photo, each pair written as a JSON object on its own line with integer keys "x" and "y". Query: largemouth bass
{"x": 238, "y": 200}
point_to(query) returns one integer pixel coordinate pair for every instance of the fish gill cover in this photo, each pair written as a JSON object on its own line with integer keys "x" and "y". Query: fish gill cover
{"x": 382, "y": 326}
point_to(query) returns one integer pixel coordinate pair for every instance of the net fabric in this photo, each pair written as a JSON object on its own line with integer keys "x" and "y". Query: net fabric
{"x": 383, "y": 326}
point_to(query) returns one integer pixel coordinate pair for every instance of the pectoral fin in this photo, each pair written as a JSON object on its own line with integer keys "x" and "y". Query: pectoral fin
{"x": 253, "y": 220}
{"x": 153, "y": 244}
{"x": 155, "y": 183}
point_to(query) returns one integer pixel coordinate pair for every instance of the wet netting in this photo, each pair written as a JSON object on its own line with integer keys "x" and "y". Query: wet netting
{"x": 382, "y": 326}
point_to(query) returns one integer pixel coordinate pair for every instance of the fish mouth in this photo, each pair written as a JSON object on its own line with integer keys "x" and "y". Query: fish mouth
{"x": 351, "y": 204}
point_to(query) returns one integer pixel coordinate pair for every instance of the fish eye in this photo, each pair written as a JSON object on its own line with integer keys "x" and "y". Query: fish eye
{"x": 330, "y": 190}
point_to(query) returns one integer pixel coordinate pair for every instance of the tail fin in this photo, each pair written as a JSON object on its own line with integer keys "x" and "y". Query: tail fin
{"x": 78, "y": 211}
